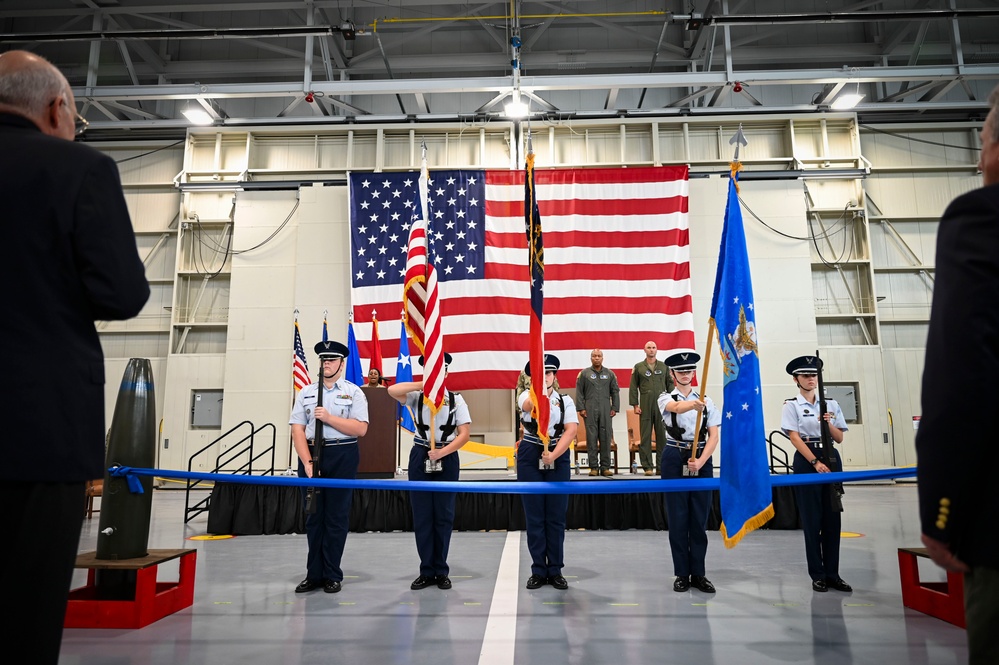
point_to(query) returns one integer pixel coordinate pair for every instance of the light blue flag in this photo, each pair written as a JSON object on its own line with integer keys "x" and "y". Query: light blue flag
{"x": 746, "y": 498}
{"x": 403, "y": 373}
{"x": 353, "y": 373}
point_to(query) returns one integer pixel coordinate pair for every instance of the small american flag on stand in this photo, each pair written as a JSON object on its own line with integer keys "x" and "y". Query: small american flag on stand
{"x": 300, "y": 368}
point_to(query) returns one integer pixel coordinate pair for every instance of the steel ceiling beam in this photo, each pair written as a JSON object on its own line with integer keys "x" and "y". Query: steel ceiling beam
{"x": 545, "y": 83}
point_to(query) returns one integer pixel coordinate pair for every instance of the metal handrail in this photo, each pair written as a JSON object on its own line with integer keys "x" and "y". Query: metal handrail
{"x": 776, "y": 463}
{"x": 227, "y": 457}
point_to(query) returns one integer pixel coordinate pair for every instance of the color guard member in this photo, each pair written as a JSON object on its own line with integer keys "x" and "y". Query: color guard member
{"x": 687, "y": 512}
{"x": 820, "y": 520}
{"x": 545, "y": 513}
{"x": 344, "y": 415}
{"x": 433, "y": 512}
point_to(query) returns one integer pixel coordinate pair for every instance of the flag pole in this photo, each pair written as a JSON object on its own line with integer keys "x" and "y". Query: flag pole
{"x": 294, "y": 396}
{"x": 739, "y": 139}
{"x": 703, "y": 386}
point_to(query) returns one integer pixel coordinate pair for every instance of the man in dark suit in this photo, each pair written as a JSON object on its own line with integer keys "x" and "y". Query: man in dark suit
{"x": 67, "y": 258}
{"x": 958, "y": 499}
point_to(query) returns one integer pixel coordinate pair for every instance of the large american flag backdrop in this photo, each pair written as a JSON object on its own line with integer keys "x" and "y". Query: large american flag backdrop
{"x": 617, "y": 265}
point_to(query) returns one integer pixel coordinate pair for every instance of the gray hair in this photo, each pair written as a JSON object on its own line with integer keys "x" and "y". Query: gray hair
{"x": 992, "y": 121}
{"x": 30, "y": 88}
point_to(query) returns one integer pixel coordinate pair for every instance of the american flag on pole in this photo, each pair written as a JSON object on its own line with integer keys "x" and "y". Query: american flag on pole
{"x": 617, "y": 270}
{"x": 420, "y": 297}
{"x": 300, "y": 368}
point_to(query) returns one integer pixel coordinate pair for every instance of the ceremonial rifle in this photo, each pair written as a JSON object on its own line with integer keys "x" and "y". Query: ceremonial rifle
{"x": 835, "y": 489}
{"x": 318, "y": 441}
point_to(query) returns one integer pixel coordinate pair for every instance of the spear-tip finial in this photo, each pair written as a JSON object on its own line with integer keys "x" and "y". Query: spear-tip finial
{"x": 739, "y": 139}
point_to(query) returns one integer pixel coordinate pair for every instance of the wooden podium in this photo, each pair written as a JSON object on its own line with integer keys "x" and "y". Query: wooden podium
{"x": 378, "y": 446}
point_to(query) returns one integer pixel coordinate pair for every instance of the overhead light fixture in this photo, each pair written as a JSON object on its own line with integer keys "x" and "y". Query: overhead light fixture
{"x": 197, "y": 116}
{"x": 348, "y": 30}
{"x": 516, "y": 108}
{"x": 847, "y": 100}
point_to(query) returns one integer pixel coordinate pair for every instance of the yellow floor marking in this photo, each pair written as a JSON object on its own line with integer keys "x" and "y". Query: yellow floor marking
{"x": 850, "y": 534}
{"x": 207, "y": 536}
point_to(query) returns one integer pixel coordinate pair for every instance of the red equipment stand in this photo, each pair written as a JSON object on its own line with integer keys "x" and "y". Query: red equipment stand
{"x": 153, "y": 600}
{"x": 943, "y": 600}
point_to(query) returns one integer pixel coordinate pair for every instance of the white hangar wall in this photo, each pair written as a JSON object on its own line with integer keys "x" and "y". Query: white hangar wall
{"x": 841, "y": 253}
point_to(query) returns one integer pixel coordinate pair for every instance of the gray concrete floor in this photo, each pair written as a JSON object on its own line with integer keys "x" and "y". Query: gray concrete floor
{"x": 620, "y": 608}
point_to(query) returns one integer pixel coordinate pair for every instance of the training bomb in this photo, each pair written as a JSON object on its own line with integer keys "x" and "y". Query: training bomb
{"x": 124, "y": 524}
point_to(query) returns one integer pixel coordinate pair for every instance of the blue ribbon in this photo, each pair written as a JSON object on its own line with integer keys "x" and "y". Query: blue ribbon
{"x": 506, "y": 487}
{"x": 131, "y": 476}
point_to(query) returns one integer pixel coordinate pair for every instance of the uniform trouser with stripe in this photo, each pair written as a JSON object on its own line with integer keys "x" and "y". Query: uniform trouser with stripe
{"x": 433, "y": 512}
{"x": 686, "y": 514}
{"x": 544, "y": 513}
{"x": 820, "y": 522}
{"x": 326, "y": 529}
{"x": 598, "y": 436}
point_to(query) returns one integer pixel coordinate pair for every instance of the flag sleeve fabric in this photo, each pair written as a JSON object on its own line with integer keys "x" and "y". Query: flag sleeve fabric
{"x": 745, "y": 493}
{"x": 376, "y": 349}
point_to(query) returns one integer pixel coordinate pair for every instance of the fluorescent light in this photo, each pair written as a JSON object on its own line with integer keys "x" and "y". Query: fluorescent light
{"x": 516, "y": 109}
{"x": 197, "y": 116}
{"x": 846, "y": 101}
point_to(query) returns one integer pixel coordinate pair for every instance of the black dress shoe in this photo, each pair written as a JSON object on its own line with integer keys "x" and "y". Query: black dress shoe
{"x": 308, "y": 585}
{"x": 422, "y": 582}
{"x": 558, "y": 582}
{"x": 331, "y": 586}
{"x": 536, "y": 582}
{"x": 681, "y": 584}
{"x": 820, "y": 586}
{"x": 443, "y": 582}
{"x": 839, "y": 585}
{"x": 701, "y": 583}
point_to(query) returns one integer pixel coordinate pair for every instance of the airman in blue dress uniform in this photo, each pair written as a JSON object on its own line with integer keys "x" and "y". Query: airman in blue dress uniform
{"x": 820, "y": 521}
{"x": 344, "y": 415}
{"x": 433, "y": 512}
{"x": 545, "y": 513}
{"x": 687, "y": 512}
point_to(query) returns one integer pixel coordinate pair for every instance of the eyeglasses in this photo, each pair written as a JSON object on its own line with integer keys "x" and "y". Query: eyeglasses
{"x": 80, "y": 123}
